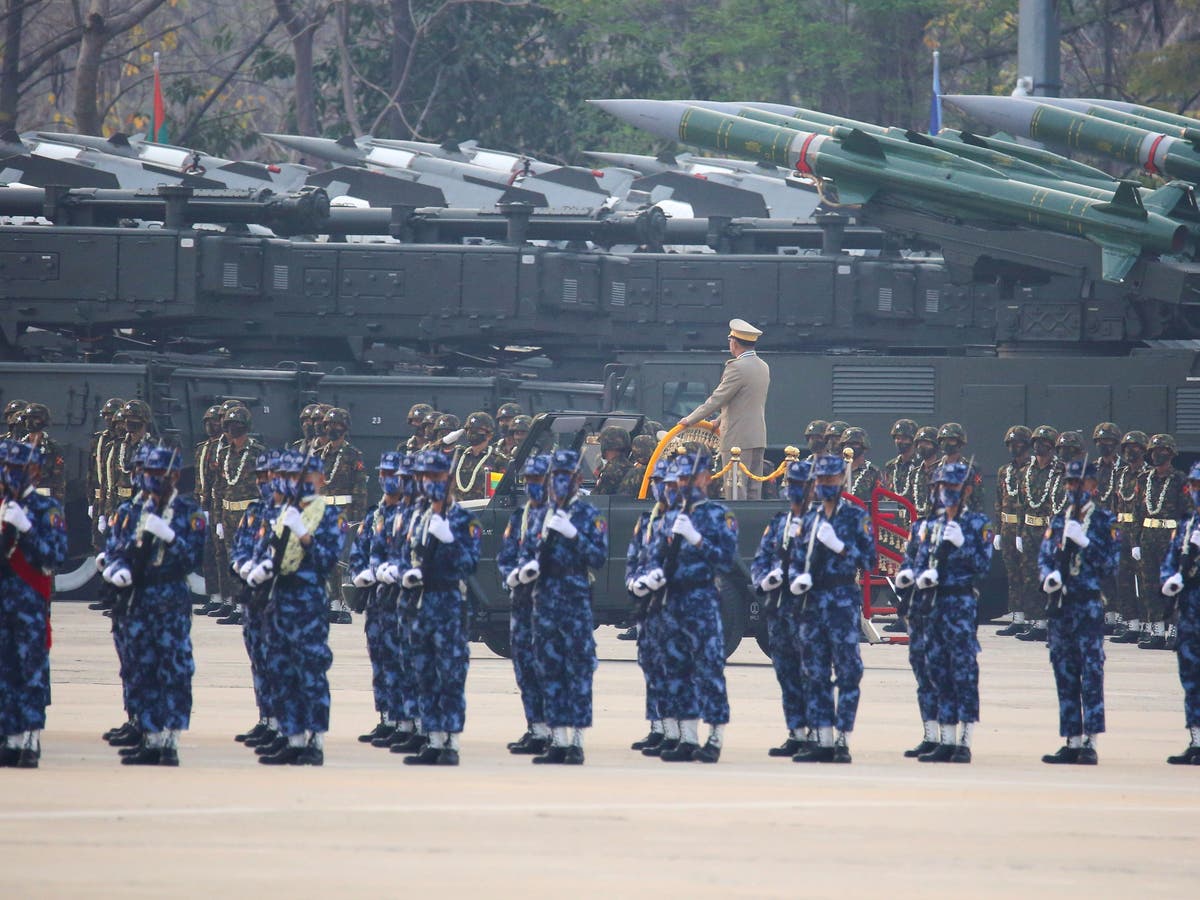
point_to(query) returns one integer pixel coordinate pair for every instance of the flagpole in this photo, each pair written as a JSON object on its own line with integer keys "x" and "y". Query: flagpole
{"x": 158, "y": 123}
{"x": 935, "y": 100}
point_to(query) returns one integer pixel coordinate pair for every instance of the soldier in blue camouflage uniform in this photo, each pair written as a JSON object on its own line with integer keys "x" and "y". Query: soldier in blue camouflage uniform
{"x": 152, "y": 568}
{"x": 782, "y": 610}
{"x": 913, "y": 608}
{"x": 1079, "y": 549}
{"x": 834, "y": 544}
{"x": 519, "y": 546}
{"x": 298, "y": 553}
{"x": 241, "y": 559}
{"x": 33, "y": 538}
{"x": 696, "y": 544}
{"x": 1181, "y": 587}
{"x": 649, "y": 620}
{"x": 380, "y": 624}
{"x": 953, "y": 551}
{"x": 444, "y": 547}
{"x": 573, "y": 539}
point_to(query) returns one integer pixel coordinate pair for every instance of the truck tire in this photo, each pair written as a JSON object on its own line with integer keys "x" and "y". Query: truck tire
{"x": 735, "y": 609}
{"x": 496, "y": 640}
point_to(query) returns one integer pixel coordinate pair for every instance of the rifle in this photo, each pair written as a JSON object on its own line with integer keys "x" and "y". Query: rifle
{"x": 386, "y": 595}
{"x": 905, "y": 604}
{"x": 8, "y": 532}
{"x": 144, "y": 547}
{"x": 1062, "y": 560}
{"x": 785, "y": 561}
{"x": 671, "y": 561}
{"x": 1189, "y": 568}
{"x": 265, "y": 592}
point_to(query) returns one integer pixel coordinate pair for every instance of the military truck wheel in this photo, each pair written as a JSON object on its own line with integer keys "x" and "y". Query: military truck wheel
{"x": 496, "y": 640}
{"x": 735, "y": 610}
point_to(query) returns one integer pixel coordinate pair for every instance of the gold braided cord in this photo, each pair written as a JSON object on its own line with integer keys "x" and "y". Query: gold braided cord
{"x": 791, "y": 455}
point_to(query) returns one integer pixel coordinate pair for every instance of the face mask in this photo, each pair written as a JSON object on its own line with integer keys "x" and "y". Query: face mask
{"x": 1066, "y": 454}
{"x": 926, "y": 451}
{"x": 1133, "y": 455}
{"x": 696, "y": 494}
{"x": 671, "y": 495}
{"x": 1160, "y": 456}
{"x": 948, "y": 496}
{"x": 264, "y": 491}
{"x": 536, "y": 491}
{"x": 212, "y": 428}
{"x": 903, "y": 447}
{"x": 1084, "y": 497}
{"x": 336, "y": 433}
{"x": 949, "y": 447}
{"x": 435, "y": 490}
{"x": 796, "y": 492}
{"x": 1043, "y": 448}
{"x": 307, "y": 488}
{"x": 410, "y": 486}
{"x": 237, "y": 429}
{"x": 1017, "y": 449}
{"x": 390, "y": 484}
{"x": 307, "y": 430}
{"x": 828, "y": 491}
{"x": 1107, "y": 448}
{"x": 658, "y": 491}
{"x": 477, "y": 437}
{"x": 154, "y": 484}
{"x": 816, "y": 445}
{"x": 561, "y": 483}
{"x": 502, "y": 429}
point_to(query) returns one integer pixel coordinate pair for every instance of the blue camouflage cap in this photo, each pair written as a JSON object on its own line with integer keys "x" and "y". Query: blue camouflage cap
{"x": 390, "y": 460}
{"x": 5, "y": 443}
{"x": 690, "y": 464}
{"x": 430, "y": 461}
{"x": 19, "y": 453}
{"x": 1075, "y": 470}
{"x": 262, "y": 462}
{"x": 165, "y": 458}
{"x": 141, "y": 454}
{"x": 274, "y": 456}
{"x": 800, "y": 470}
{"x": 408, "y": 463}
{"x": 951, "y": 473}
{"x": 290, "y": 461}
{"x": 828, "y": 464}
{"x": 538, "y": 464}
{"x": 660, "y": 469}
{"x": 563, "y": 460}
{"x": 1194, "y": 473}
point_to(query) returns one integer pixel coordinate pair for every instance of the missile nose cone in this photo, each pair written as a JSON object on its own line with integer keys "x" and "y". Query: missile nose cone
{"x": 654, "y": 116}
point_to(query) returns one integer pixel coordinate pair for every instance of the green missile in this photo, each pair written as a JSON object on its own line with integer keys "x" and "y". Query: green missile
{"x": 1129, "y": 113}
{"x": 866, "y": 167}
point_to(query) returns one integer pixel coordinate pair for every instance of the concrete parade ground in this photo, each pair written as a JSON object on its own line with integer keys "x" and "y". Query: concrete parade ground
{"x": 365, "y": 825}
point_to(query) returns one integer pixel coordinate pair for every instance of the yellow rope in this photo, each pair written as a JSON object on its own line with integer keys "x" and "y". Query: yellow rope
{"x": 741, "y": 465}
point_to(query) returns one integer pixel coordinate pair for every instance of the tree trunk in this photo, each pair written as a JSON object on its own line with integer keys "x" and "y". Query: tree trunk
{"x": 10, "y": 68}
{"x": 404, "y": 33}
{"x": 302, "y": 30}
{"x": 87, "y": 72}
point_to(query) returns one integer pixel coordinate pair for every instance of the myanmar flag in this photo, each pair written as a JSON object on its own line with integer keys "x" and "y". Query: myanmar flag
{"x": 158, "y": 123}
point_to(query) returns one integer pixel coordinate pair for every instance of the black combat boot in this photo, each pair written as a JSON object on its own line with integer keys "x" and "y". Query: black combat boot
{"x": 814, "y": 754}
{"x": 1066, "y": 756}
{"x": 1190, "y": 756}
{"x": 554, "y": 756}
{"x": 427, "y": 757}
{"x": 653, "y": 739}
{"x": 709, "y": 753}
{"x": 790, "y": 747}
{"x": 684, "y": 751}
{"x": 921, "y": 749}
{"x": 252, "y": 734}
{"x": 962, "y": 754}
{"x": 940, "y": 753}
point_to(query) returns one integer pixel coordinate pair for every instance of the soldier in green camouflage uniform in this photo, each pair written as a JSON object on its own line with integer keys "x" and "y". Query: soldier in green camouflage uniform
{"x": 505, "y": 414}
{"x": 898, "y": 471}
{"x": 345, "y": 490}
{"x": 309, "y": 417}
{"x": 864, "y": 474}
{"x": 233, "y": 490}
{"x": 52, "y": 480}
{"x": 204, "y": 469}
{"x": 472, "y": 469}
{"x": 833, "y": 435}
{"x": 926, "y": 446}
{"x": 643, "y": 449}
{"x": 814, "y": 435}
{"x": 12, "y": 418}
{"x": 1127, "y": 493}
{"x": 97, "y": 454}
{"x": 518, "y": 430}
{"x": 1008, "y": 516}
{"x": 614, "y": 460}
{"x": 135, "y": 420}
{"x": 416, "y": 421}
{"x": 1163, "y": 503}
{"x": 1040, "y": 486}
{"x": 952, "y": 441}
{"x": 1107, "y": 438}
{"x": 447, "y": 435}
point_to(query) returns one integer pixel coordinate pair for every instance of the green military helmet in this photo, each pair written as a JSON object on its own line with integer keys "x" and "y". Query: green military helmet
{"x": 614, "y": 437}
{"x": 508, "y": 410}
{"x": 110, "y": 407}
{"x": 1163, "y": 440}
{"x": 952, "y": 431}
{"x": 643, "y": 448}
{"x": 520, "y": 425}
{"x": 926, "y": 433}
{"x": 446, "y": 423}
{"x": 429, "y": 420}
{"x": 834, "y": 430}
{"x": 416, "y": 413}
{"x": 1018, "y": 433}
{"x": 855, "y": 435}
{"x": 36, "y": 416}
{"x": 480, "y": 426}
{"x": 309, "y": 412}
{"x": 1045, "y": 433}
{"x": 816, "y": 428}
{"x": 239, "y": 415}
{"x": 229, "y": 404}
{"x": 336, "y": 416}
{"x": 117, "y": 422}
{"x": 1106, "y": 431}
{"x": 904, "y": 428}
{"x": 1135, "y": 437}
{"x": 212, "y": 414}
{"x": 1072, "y": 439}
{"x": 652, "y": 426}
{"x": 137, "y": 411}
{"x": 13, "y": 410}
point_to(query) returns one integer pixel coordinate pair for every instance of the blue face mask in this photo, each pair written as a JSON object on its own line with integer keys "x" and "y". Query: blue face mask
{"x": 390, "y": 484}
{"x": 561, "y": 484}
{"x": 796, "y": 492}
{"x": 671, "y": 495}
{"x": 14, "y": 478}
{"x": 536, "y": 491}
{"x": 695, "y": 494}
{"x": 435, "y": 490}
{"x": 307, "y": 489}
{"x": 153, "y": 484}
{"x": 409, "y": 485}
{"x": 948, "y": 497}
{"x": 828, "y": 491}
{"x": 658, "y": 491}
{"x": 264, "y": 491}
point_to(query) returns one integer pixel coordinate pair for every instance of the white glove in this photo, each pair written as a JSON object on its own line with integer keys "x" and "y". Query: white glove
{"x": 561, "y": 522}
{"x": 158, "y": 527}
{"x": 91, "y": 511}
{"x": 102, "y": 524}
{"x": 685, "y": 529}
{"x": 220, "y": 531}
{"x": 953, "y": 533}
{"x": 1194, "y": 540}
{"x": 412, "y": 578}
{"x": 1052, "y": 582}
{"x": 772, "y": 580}
{"x": 293, "y": 523}
{"x": 14, "y": 515}
{"x": 260, "y": 573}
{"x": 801, "y": 583}
{"x": 453, "y": 438}
{"x": 245, "y": 568}
{"x": 529, "y": 572}
{"x": 795, "y": 528}
{"x": 1073, "y": 531}
{"x": 1020, "y": 544}
{"x": 513, "y": 579}
{"x": 440, "y": 529}
{"x": 927, "y": 579}
{"x": 996, "y": 541}
{"x": 365, "y": 578}
{"x": 101, "y": 561}
{"x": 122, "y": 577}
{"x": 655, "y": 579}
{"x": 107, "y": 574}
{"x": 1136, "y": 553}
{"x": 639, "y": 587}
{"x": 1173, "y": 585}
{"x": 827, "y": 536}
{"x": 906, "y": 578}
{"x": 387, "y": 573}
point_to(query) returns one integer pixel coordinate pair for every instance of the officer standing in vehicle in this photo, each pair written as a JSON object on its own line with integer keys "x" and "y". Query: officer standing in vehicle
{"x": 614, "y": 460}
{"x": 1040, "y": 487}
{"x": 1125, "y": 504}
{"x": 741, "y": 399}
{"x": 834, "y": 543}
{"x": 53, "y": 479}
{"x": 1009, "y": 512}
{"x": 573, "y": 539}
{"x": 1078, "y": 550}
{"x": 784, "y": 612}
{"x": 864, "y": 475}
{"x": 1163, "y": 503}
{"x": 1180, "y": 578}
{"x": 519, "y": 547}
{"x": 34, "y": 546}
{"x": 474, "y": 466}
{"x": 234, "y": 490}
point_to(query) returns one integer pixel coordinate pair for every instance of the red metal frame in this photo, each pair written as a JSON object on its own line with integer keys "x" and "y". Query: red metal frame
{"x": 890, "y": 540}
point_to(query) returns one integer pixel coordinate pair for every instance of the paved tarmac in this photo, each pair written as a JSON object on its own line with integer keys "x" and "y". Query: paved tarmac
{"x": 366, "y": 825}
